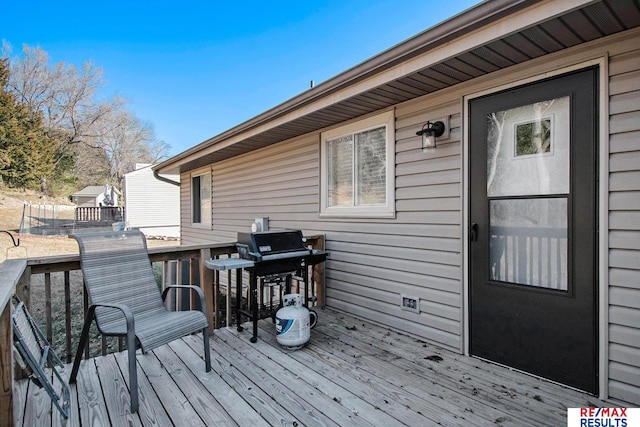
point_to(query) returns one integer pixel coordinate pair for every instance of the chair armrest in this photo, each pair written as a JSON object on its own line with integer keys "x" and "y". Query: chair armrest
{"x": 196, "y": 289}
{"x": 126, "y": 311}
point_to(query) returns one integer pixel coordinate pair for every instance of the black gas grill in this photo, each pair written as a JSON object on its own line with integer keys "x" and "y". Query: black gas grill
{"x": 273, "y": 257}
{"x": 273, "y": 252}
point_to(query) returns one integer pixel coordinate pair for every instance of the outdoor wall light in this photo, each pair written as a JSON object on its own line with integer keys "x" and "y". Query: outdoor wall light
{"x": 430, "y": 131}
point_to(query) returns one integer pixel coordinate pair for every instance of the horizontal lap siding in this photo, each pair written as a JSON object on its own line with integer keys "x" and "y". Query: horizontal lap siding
{"x": 624, "y": 227}
{"x": 372, "y": 261}
{"x": 280, "y": 182}
{"x": 188, "y": 232}
{"x": 152, "y": 205}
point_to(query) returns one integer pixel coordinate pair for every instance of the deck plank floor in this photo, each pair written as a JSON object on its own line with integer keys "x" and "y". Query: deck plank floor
{"x": 351, "y": 372}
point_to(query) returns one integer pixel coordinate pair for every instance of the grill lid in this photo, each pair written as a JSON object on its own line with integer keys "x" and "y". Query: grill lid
{"x": 272, "y": 245}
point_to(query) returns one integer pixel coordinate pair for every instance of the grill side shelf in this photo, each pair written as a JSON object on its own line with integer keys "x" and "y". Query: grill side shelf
{"x": 224, "y": 264}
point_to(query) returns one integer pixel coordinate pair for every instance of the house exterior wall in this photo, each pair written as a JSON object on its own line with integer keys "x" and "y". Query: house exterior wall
{"x": 372, "y": 261}
{"x": 190, "y": 233}
{"x": 420, "y": 252}
{"x": 624, "y": 224}
{"x": 151, "y": 205}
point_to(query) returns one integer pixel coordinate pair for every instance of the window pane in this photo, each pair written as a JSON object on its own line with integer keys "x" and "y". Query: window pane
{"x": 528, "y": 242}
{"x": 195, "y": 200}
{"x": 205, "y": 198}
{"x": 340, "y": 171}
{"x": 528, "y": 149}
{"x": 372, "y": 171}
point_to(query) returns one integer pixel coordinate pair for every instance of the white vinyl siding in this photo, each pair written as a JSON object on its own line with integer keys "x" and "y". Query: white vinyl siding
{"x": 624, "y": 227}
{"x": 151, "y": 205}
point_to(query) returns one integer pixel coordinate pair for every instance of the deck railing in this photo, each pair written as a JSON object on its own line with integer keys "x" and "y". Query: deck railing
{"x": 61, "y": 302}
{"x": 101, "y": 214}
{"x": 533, "y": 256}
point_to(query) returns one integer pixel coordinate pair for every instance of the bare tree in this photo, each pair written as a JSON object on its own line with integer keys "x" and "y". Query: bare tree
{"x": 84, "y": 127}
{"x": 67, "y": 98}
{"x": 495, "y": 125}
{"x": 126, "y": 141}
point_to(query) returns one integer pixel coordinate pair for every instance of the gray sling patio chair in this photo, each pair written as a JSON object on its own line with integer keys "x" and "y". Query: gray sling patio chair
{"x": 37, "y": 354}
{"x": 126, "y": 300}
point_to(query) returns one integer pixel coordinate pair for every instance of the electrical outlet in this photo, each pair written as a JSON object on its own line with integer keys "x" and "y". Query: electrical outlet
{"x": 410, "y": 303}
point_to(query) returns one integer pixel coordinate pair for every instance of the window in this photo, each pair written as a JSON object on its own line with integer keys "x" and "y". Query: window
{"x": 357, "y": 169}
{"x": 201, "y": 199}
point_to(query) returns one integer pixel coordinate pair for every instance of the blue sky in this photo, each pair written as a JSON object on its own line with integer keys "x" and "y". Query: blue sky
{"x": 194, "y": 69}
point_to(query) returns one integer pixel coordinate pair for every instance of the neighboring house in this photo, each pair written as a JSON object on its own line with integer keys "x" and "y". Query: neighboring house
{"x": 152, "y": 205}
{"x": 518, "y": 236}
{"x": 95, "y": 196}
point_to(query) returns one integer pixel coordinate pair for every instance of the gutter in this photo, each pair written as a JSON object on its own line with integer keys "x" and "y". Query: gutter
{"x": 157, "y": 176}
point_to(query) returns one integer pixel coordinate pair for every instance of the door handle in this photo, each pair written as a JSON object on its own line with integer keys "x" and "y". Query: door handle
{"x": 473, "y": 233}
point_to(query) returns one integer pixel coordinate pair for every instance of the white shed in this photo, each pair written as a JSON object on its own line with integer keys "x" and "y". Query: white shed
{"x": 96, "y": 195}
{"x": 152, "y": 205}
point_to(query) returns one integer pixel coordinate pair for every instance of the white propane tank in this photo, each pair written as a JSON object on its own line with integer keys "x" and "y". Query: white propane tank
{"x": 293, "y": 328}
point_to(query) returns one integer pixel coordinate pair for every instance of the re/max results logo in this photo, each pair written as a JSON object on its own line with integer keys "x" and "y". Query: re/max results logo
{"x": 603, "y": 417}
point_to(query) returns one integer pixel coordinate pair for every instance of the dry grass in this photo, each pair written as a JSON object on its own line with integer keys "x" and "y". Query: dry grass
{"x": 39, "y": 246}
{"x": 11, "y": 212}
{"x": 34, "y": 246}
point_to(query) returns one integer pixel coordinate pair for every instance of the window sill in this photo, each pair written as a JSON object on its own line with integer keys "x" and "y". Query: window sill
{"x": 356, "y": 214}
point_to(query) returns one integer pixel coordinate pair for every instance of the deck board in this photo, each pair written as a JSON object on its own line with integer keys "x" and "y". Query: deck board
{"x": 88, "y": 392}
{"x": 210, "y": 410}
{"x": 469, "y": 386}
{"x": 351, "y": 372}
{"x": 316, "y": 387}
{"x": 298, "y": 396}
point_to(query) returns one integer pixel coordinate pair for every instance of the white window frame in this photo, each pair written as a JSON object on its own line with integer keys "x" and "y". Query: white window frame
{"x": 386, "y": 210}
{"x": 205, "y": 203}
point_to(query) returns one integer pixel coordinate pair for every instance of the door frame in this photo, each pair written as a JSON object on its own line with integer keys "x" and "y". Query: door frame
{"x": 602, "y": 216}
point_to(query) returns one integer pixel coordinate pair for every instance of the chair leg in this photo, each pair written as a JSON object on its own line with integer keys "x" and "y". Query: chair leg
{"x": 63, "y": 401}
{"x": 207, "y": 350}
{"x": 133, "y": 371}
{"x": 84, "y": 338}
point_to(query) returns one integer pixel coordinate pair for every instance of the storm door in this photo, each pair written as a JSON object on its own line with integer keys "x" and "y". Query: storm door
{"x": 533, "y": 228}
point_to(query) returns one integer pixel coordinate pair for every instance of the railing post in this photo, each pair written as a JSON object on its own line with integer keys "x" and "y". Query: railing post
{"x": 23, "y": 288}
{"x": 47, "y": 306}
{"x": 228, "y": 299}
{"x": 317, "y": 272}
{"x": 193, "y": 280}
{"x": 23, "y": 291}
{"x": 11, "y": 273}
{"x": 206, "y": 283}
{"x": 67, "y": 317}
{"x": 6, "y": 364}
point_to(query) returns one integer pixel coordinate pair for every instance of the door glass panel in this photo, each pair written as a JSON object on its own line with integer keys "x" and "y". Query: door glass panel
{"x": 528, "y": 149}
{"x": 528, "y": 242}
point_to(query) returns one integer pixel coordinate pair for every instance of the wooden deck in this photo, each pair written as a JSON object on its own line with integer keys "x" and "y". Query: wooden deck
{"x": 351, "y": 373}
